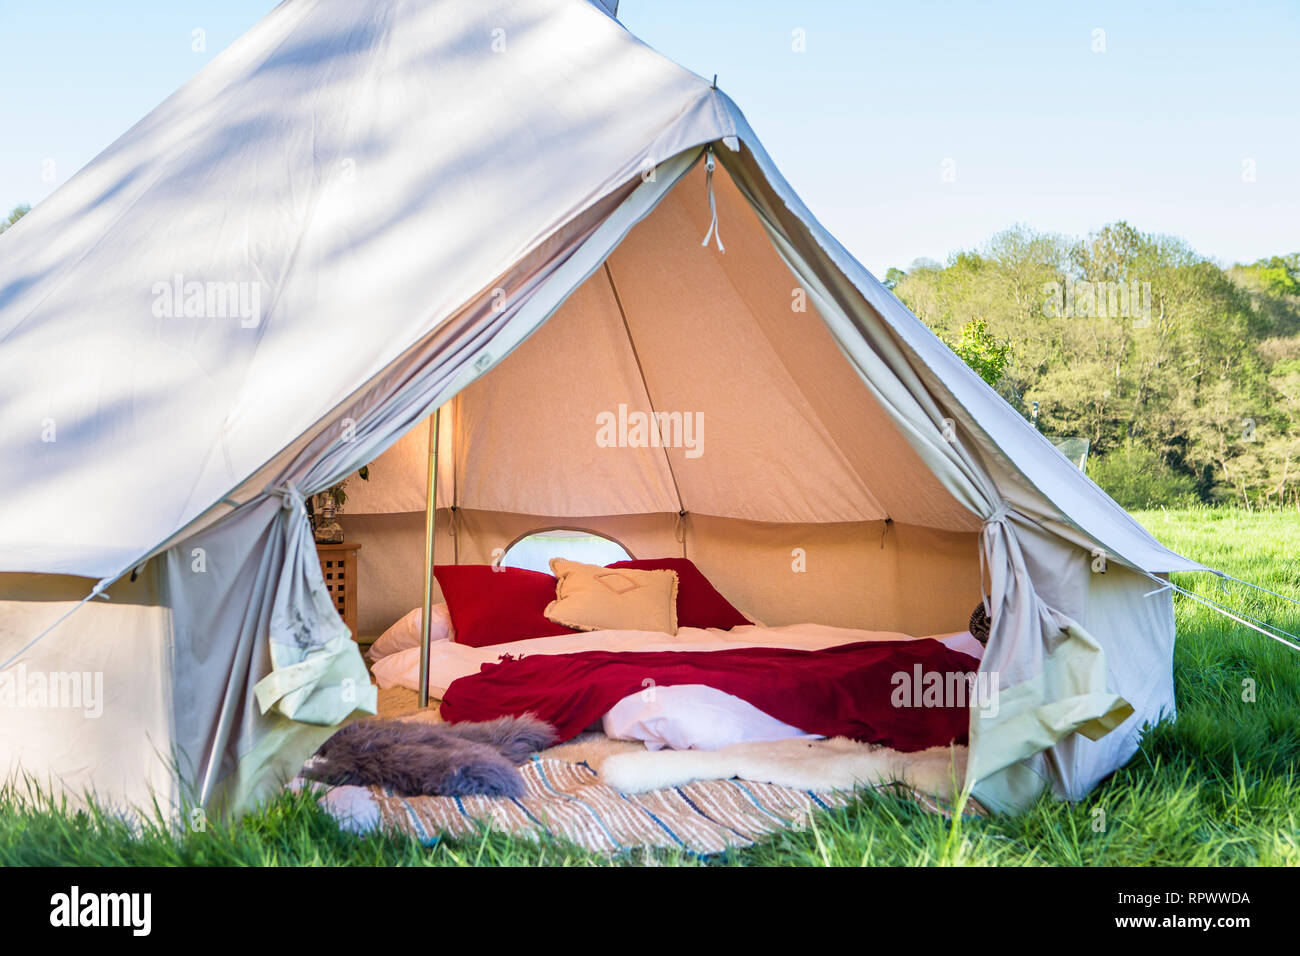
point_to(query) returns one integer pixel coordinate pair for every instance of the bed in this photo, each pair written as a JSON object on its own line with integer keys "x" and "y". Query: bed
{"x": 707, "y": 713}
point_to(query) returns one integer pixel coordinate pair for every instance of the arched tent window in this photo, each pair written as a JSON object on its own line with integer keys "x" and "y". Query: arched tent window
{"x": 534, "y": 550}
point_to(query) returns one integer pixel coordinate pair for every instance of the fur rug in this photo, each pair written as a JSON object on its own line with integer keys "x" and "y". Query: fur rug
{"x": 836, "y": 764}
{"x": 426, "y": 759}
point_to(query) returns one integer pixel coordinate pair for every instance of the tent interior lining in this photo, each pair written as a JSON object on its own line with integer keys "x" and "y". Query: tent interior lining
{"x": 801, "y": 498}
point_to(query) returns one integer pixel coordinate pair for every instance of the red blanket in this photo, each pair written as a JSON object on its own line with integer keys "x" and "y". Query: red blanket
{"x": 849, "y": 691}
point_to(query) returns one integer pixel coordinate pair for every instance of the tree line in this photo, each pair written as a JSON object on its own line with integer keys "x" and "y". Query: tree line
{"x": 1183, "y": 375}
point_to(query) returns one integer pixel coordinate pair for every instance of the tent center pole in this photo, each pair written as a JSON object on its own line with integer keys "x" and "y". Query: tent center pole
{"x": 430, "y": 507}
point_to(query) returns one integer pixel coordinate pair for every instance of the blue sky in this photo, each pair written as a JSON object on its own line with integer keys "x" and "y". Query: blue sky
{"x": 1010, "y": 99}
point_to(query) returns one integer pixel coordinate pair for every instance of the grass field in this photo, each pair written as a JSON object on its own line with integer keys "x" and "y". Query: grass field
{"x": 1221, "y": 786}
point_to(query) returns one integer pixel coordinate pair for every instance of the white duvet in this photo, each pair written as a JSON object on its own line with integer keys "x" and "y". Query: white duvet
{"x": 680, "y": 717}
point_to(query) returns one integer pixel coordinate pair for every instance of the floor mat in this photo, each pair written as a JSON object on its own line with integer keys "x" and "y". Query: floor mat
{"x": 568, "y": 800}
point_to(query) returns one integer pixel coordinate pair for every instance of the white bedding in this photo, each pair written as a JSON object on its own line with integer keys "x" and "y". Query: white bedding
{"x": 679, "y": 717}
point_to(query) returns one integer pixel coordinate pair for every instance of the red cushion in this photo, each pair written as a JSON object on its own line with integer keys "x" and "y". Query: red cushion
{"x": 698, "y": 602}
{"x": 497, "y": 605}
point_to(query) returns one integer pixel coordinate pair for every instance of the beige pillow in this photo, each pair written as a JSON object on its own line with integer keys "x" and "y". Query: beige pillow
{"x": 591, "y": 598}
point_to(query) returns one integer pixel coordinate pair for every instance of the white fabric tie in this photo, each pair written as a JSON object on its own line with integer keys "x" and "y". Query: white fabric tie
{"x": 714, "y": 232}
{"x": 1000, "y": 513}
{"x": 290, "y": 497}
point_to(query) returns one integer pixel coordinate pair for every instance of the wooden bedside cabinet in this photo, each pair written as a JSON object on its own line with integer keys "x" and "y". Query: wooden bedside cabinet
{"x": 338, "y": 565}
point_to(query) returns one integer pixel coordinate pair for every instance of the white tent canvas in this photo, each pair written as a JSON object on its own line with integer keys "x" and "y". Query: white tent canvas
{"x": 363, "y": 212}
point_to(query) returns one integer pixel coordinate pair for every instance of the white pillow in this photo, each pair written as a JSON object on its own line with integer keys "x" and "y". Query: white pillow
{"x": 692, "y": 717}
{"x": 406, "y": 632}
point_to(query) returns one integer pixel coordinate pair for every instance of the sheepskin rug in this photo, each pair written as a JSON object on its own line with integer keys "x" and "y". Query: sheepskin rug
{"x": 432, "y": 759}
{"x": 817, "y": 765}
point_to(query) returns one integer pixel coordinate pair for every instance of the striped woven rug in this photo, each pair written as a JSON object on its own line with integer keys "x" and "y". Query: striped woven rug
{"x": 568, "y": 800}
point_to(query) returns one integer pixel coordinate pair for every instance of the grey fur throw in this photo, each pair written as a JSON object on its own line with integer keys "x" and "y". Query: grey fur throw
{"x": 441, "y": 760}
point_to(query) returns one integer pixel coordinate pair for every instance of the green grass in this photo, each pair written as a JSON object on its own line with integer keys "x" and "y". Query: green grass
{"x": 1221, "y": 786}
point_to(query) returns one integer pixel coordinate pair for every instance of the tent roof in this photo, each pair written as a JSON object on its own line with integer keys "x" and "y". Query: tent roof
{"x": 350, "y": 175}
{"x": 363, "y": 169}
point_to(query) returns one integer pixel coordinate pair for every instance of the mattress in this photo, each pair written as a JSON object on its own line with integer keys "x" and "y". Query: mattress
{"x": 680, "y": 717}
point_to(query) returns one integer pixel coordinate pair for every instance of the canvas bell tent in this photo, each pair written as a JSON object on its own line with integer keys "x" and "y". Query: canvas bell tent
{"x": 515, "y": 212}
